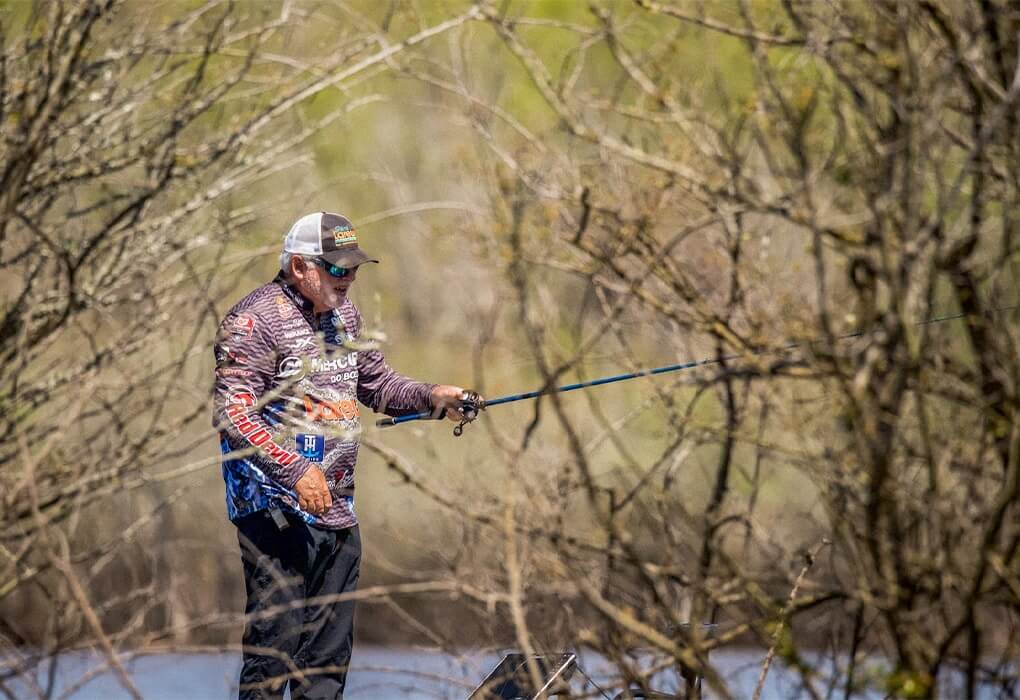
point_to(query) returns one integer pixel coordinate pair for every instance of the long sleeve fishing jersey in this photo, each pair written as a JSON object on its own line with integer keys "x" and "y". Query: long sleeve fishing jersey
{"x": 288, "y": 385}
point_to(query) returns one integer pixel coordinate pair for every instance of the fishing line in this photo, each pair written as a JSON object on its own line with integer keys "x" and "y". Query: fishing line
{"x": 472, "y": 403}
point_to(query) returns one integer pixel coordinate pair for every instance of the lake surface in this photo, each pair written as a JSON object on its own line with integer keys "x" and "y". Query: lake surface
{"x": 376, "y": 674}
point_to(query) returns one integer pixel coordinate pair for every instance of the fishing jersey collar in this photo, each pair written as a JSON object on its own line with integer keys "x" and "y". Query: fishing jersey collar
{"x": 294, "y": 295}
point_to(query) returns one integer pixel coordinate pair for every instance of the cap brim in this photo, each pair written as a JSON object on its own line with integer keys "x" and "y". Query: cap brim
{"x": 348, "y": 258}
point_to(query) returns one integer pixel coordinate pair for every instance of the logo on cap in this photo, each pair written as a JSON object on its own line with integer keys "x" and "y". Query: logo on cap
{"x": 344, "y": 235}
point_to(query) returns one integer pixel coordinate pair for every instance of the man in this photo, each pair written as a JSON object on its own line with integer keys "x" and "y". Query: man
{"x": 291, "y": 367}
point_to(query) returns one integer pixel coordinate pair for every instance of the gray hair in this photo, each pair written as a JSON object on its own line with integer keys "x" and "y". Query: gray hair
{"x": 285, "y": 258}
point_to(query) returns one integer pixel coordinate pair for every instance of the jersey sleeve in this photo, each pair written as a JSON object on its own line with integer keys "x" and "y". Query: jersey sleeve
{"x": 382, "y": 389}
{"x": 245, "y": 365}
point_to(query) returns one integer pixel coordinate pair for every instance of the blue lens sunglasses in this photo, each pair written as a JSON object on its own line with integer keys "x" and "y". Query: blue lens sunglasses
{"x": 333, "y": 270}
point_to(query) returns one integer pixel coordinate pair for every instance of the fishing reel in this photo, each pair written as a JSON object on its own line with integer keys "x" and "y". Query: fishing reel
{"x": 470, "y": 404}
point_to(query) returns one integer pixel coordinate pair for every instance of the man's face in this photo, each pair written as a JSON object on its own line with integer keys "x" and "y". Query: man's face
{"x": 321, "y": 288}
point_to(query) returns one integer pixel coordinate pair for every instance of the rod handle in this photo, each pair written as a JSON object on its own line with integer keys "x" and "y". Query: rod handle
{"x": 387, "y": 422}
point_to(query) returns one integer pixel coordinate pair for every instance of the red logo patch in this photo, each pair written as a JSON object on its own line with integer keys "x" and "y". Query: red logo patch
{"x": 242, "y": 398}
{"x": 244, "y": 325}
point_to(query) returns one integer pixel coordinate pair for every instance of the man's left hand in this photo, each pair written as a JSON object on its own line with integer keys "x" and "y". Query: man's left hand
{"x": 445, "y": 396}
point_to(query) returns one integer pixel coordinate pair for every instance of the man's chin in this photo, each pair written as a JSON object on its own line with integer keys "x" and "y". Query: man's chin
{"x": 335, "y": 298}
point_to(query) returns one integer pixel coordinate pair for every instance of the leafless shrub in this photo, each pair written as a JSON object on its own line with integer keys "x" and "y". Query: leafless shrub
{"x": 833, "y": 176}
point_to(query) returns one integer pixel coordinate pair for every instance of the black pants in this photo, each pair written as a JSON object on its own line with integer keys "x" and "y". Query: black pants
{"x": 295, "y": 633}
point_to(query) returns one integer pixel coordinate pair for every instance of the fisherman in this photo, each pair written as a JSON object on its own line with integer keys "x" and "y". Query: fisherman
{"x": 292, "y": 365}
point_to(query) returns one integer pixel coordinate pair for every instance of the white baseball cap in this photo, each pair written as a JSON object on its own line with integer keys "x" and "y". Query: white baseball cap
{"x": 328, "y": 236}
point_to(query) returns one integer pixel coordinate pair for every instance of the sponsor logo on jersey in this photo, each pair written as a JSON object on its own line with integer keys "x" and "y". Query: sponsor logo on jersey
{"x": 334, "y": 364}
{"x": 227, "y": 355}
{"x": 243, "y": 325}
{"x": 342, "y": 484}
{"x": 296, "y": 333}
{"x": 317, "y": 409}
{"x": 290, "y": 366}
{"x": 311, "y": 447}
{"x": 242, "y": 396}
{"x": 339, "y": 327}
{"x": 305, "y": 342}
{"x": 257, "y": 435}
{"x": 284, "y": 307}
{"x": 235, "y": 372}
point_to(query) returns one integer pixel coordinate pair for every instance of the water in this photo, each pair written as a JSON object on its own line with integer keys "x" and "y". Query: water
{"x": 376, "y": 674}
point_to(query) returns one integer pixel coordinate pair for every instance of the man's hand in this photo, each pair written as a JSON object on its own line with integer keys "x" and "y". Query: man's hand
{"x": 449, "y": 398}
{"x": 313, "y": 492}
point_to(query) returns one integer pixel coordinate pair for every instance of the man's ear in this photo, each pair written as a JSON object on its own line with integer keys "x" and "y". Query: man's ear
{"x": 298, "y": 267}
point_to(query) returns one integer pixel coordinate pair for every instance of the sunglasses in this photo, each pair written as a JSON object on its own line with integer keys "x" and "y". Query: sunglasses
{"x": 333, "y": 270}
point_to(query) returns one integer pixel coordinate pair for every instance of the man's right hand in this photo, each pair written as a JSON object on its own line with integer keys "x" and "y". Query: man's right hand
{"x": 313, "y": 492}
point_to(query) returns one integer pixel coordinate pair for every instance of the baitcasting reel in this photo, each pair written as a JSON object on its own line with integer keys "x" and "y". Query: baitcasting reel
{"x": 470, "y": 404}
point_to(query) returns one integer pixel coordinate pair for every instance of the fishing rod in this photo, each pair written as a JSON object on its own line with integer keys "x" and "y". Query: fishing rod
{"x": 472, "y": 403}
